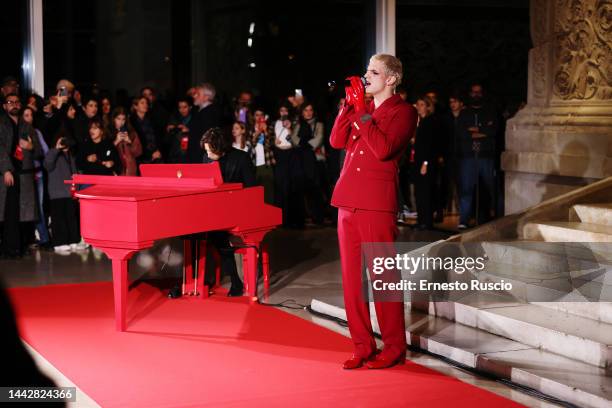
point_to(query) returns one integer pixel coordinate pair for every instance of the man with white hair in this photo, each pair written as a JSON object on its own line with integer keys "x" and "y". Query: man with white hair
{"x": 205, "y": 116}
{"x": 375, "y": 136}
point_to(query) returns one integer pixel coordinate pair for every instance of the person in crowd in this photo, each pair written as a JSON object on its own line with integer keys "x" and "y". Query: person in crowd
{"x": 285, "y": 165}
{"x": 236, "y": 167}
{"x": 56, "y": 107}
{"x": 308, "y": 137}
{"x": 18, "y": 149}
{"x": 27, "y": 116}
{"x": 262, "y": 151}
{"x": 77, "y": 95}
{"x": 375, "y": 137}
{"x": 98, "y": 154}
{"x": 146, "y": 131}
{"x": 36, "y": 103}
{"x": 441, "y": 152}
{"x": 206, "y": 115}
{"x": 296, "y": 101}
{"x": 282, "y": 128}
{"x": 239, "y": 137}
{"x": 177, "y": 131}
{"x": 83, "y": 118}
{"x": 407, "y": 174}
{"x": 10, "y": 85}
{"x": 425, "y": 161}
{"x": 158, "y": 114}
{"x": 478, "y": 130}
{"x": 106, "y": 108}
{"x": 126, "y": 141}
{"x": 456, "y": 106}
{"x": 60, "y": 163}
{"x": 333, "y": 156}
{"x": 242, "y": 109}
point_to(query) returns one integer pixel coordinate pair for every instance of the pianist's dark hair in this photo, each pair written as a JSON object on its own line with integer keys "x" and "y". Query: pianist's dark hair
{"x": 218, "y": 140}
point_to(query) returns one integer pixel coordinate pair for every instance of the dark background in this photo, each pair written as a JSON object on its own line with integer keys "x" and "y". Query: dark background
{"x": 125, "y": 44}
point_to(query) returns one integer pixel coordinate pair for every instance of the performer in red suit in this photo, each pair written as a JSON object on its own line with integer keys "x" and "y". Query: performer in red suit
{"x": 374, "y": 137}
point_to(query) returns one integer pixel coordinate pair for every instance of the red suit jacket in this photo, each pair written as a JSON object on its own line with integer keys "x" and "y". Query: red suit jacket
{"x": 374, "y": 141}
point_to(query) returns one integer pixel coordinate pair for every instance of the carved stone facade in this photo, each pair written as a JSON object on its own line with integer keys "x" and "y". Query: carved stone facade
{"x": 562, "y": 139}
{"x": 583, "y": 50}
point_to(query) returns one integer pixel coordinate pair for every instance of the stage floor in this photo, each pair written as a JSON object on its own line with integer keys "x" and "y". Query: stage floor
{"x": 304, "y": 265}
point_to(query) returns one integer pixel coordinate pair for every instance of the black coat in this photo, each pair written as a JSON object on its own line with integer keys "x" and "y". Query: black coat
{"x": 426, "y": 138}
{"x": 149, "y": 139}
{"x": 201, "y": 121}
{"x": 104, "y": 151}
{"x": 486, "y": 119}
{"x": 237, "y": 167}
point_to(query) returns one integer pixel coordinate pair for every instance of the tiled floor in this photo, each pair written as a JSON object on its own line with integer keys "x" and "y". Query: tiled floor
{"x": 304, "y": 265}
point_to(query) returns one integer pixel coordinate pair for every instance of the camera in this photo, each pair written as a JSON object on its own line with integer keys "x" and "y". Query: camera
{"x": 63, "y": 91}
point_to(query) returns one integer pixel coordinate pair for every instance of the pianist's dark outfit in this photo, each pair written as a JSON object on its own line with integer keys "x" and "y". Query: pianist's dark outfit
{"x": 236, "y": 167}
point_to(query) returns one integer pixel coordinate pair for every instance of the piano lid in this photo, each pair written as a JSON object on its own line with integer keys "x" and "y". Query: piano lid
{"x": 123, "y": 193}
{"x": 198, "y": 171}
{"x": 158, "y": 181}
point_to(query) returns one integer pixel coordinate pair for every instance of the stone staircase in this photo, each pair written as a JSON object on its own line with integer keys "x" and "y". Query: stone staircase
{"x": 561, "y": 348}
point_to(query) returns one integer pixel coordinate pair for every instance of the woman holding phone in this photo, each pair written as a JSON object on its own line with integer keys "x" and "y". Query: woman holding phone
{"x": 126, "y": 141}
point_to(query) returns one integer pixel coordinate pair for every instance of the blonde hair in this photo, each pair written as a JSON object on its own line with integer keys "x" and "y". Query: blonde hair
{"x": 393, "y": 66}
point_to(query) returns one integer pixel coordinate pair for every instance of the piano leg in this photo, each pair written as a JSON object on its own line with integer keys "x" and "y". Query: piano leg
{"x": 265, "y": 266}
{"x": 120, "y": 288}
{"x": 119, "y": 258}
{"x": 201, "y": 272}
{"x": 187, "y": 267}
{"x": 250, "y": 273}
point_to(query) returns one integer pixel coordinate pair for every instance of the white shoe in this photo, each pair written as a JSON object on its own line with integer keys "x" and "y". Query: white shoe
{"x": 81, "y": 246}
{"x": 62, "y": 248}
{"x": 462, "y": 226}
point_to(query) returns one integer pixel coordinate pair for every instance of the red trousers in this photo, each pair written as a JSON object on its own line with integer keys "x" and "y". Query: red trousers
{"x": 357, "y": 227}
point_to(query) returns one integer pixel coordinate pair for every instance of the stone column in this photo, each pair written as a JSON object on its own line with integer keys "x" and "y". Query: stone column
{"x": 562, "y": 139}
{"x": 385, "y": 26}
{"x": 33, "y": 64}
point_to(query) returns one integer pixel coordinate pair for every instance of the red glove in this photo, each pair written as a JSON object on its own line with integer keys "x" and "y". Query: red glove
{"x": 355, "y": 94}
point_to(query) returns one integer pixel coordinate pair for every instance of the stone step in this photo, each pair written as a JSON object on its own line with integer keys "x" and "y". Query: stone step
{"x": 601, "y": 311}
{"x": 550, "y": 256}
{"x": 592, "y": 213}
{"x": 561, "y": 231}
{"x": 543, "y": 273}
{"x": 569, "y": 380}
{"x": 533, "y": 285}
{"x": 575, "y": 337}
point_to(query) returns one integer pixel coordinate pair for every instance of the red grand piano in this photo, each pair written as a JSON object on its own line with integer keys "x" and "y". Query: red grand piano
{"x": 122, "y": 215}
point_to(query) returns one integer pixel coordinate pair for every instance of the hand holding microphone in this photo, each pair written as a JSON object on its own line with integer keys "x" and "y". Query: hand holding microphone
{"x": 355, "y": 93}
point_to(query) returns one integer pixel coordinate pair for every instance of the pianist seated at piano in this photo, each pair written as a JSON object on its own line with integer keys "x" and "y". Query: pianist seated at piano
{"x": 236, "y": 167}
{"x": 98, "y": 155}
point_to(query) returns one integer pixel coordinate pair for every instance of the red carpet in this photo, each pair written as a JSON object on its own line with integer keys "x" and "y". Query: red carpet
{"x": 217, "y": 352}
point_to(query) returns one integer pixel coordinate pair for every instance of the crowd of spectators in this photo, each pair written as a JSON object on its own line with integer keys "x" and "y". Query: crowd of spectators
{"x": 44, "y": 141}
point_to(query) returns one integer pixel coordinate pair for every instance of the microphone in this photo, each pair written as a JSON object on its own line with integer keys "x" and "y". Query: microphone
{"x": 333, "y": 85}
